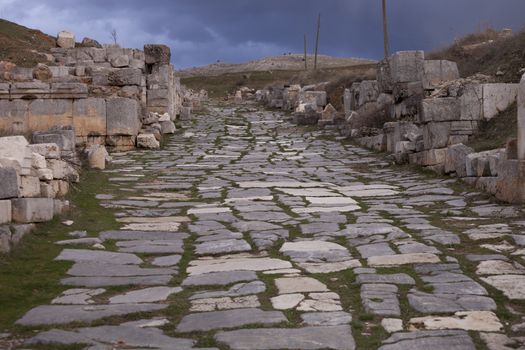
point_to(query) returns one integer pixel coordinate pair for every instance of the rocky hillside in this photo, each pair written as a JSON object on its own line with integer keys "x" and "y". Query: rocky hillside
{"x": 490, "y": 52}
{"x": 23, "y": 46}
{"x": 293, "y": 62}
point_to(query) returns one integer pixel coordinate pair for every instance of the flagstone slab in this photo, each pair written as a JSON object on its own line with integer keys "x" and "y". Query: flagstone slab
{"x": 207, "y": 321}
{"x": 222, "y": 246}
{"x": 480, "y": 321}
{"x": 307, "y": 338}
{"x": 135, "y": 337}
{"x": 64, "y": 314}
{"x": 148, "y": 295}
{"x": 403, "y": 259}
{"x": 95, "y": 281}
{"x": 84, "y": 269}
{"x": 167, "y": 261}
{"x": 513, "y": 286}
{"x": 299, "y": 285}
{"x": 142, "y": 235}
{"x": 337, "y": 318}
{"x": 219, "y": 278}
{"x": 198, "y": 267}
{"x": 82, "y": 255}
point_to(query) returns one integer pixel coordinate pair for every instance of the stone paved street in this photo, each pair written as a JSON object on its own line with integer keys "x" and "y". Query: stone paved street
{"x": 246, "y": 232}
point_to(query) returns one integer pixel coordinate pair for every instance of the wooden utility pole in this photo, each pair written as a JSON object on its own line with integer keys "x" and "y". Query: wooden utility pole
{"x": 385, "y": 30}
{"x": 317, "y": 40}
{"x": 305, "y": 54}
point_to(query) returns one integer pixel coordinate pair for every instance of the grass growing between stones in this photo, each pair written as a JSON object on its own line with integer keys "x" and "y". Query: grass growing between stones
{"x": 29, "y": 276}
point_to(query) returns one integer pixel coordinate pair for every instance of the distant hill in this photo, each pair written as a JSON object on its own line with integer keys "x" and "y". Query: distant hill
{"x": 23, "y": 46}
{"x": 293, "y": 62}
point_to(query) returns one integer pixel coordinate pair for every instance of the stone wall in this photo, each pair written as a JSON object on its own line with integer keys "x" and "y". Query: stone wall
{"x": 35, "y": 179}
{"x": 107, "y": 94}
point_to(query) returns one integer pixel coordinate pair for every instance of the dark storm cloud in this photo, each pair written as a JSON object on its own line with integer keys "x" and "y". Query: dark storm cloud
{"x": 204, "y": 31}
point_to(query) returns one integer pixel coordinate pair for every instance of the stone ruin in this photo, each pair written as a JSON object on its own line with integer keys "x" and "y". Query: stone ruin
{"x": 87, "y": 98}
{"x": 423, "y": 113}
{"x": 109, "y": 95}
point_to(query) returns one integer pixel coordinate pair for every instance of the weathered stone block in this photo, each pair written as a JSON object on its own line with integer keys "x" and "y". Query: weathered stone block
{"x": 126, "y": 76}
{"x": 122, "y": 115}
{"x": 29, "y": 186}
{"x": 62, "y": 170}
{"x": 89, "y": 116}
{"x": 121, "y": 142}
{"x": 158, "y": 98}
{"x": 434, "y": 157}
{"x": 28, "y": 210}
{"x": 63, "y": 136}
{"x": 14, "y": 152}
{"x": 407, "y": 66}
{"x": 509, "y": 186}
{"x": 440, "y": 110}
{"x": 9, "y": 187}
{"x": 147, "y": 141}
{"x": 45, "y": 114}
{"x": 157, "y": 54}
{"x": 59, "y": 71}
{"x": 435, "y": 135}
{"x": 456, "y": 159}
{"x": 120, "y": 61}
{"x": 403, "y": 91}
{"x": 471, "y": 102}
{"x": 66, "y": 40}
{"x": 438, "y": 72}
{"x": 14, "y": 116}
{"x": 97, "y": 155}
{"x": 38, "y": 161}
{"x": 384, "y": 76}
{"x": 521, "y": 120}
{"x": 5, "y": 240}
{"x": 168, "y": 127}
{"x": 497, "y": 98}
{"x": 5, "y": 212}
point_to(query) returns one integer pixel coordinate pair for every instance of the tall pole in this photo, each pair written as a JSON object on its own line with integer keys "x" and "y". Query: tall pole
{"x": 385, "y": 30}
{"x": 317, "y": 40}
{"x": 305, "y": 54}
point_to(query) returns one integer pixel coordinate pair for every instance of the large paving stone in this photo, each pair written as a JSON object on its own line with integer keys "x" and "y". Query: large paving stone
{"x": 82, "y": 255}
{"x": 110, "y": 335}
{"x": 148, "y": 295}
{"x": 198, "y": 267}
{"x": 219, "y": 278}
{"x": 84, "y": 269}
{"x": 337, "y": 337}
{"x": 513, "y": 286}
{"x": 64, "y": 314}
{"x": 207, "y": 321}
{"x": 142, "y": 235}
{"x": 222, "y": 247}
{"x": 156, "y": 280}
{"x": 436, "y": 340}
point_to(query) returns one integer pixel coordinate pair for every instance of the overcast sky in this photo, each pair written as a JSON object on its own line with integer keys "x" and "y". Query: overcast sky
{"x": 200, "y": 32}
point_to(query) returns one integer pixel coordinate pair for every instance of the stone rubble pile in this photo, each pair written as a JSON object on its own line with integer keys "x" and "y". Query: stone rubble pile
{"x": 35, "y": 179}
{"x": 192, "y": 101}
{"x": 107, "y": 94}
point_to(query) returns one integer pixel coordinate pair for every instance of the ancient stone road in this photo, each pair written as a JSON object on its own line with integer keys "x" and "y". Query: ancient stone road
{"x": 246, "y": 232}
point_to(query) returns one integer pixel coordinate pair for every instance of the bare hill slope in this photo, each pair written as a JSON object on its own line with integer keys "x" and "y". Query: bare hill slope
{"x": 293, "y": 62}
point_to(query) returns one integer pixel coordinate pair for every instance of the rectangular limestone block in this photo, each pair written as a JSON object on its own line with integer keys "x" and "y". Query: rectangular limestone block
{"x": 407, "y": 66}
{"x": 157, "y": 54}
{"x": 14, "y": 116}
{"x": 509, "y": 186}
{"x": 158, "y": 98}
{"x": 29, "y": 186}
{"x": 436, "y": 135}
{"x": 28, "y": 210}
{"x": 89, "y": 117}
{"x": 47, "y": 150}
{"x": 440, "y": 109}
{"x": 9, "y": 187}
{"x": 125, "y": 76}
{"x": 5, "y": 211}
{"x": 438, "y": 72}
{"x": 497, "y": 98}
{"x": 434, "y": 157}
{"x": 45, "y": 114}
{"x": 122, "y": 117}
{"x": 471, "y": 102}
